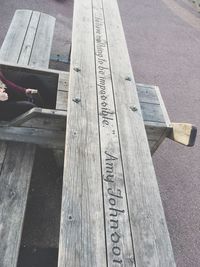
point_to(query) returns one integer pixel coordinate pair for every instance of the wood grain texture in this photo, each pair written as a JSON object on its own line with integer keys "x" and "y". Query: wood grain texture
{"x": 41, "y": 50}
{"x": 29, "y": 69}
{"x": 3, "y": 148}
{"x": 12, "y": 45}
{"x": 61, "y": 101}
{"x": 119, "y": 242}
{"x": 109, "y": 177}
{"x": 82, "y": 236}
{"x": 29, "y": 39}
{"x": 62, "y": 92}
{"x": 16, "y": 159}
{"x": 162, "y": 105}
{"x": 147, "y": 93}
{"x": 28, "y": 42}
{"x": 63, "y": 81}
{"x": 154, "y": 113}
{"x": 42, "y": 119}
{"x": 14, "y": 185}
{"x": 152, "y": 244}
{"x": 54, "y": 139}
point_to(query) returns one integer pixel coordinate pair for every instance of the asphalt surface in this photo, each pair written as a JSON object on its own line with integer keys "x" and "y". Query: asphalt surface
{"x": 163, "y": 38}
{"x": 164, "y": 43}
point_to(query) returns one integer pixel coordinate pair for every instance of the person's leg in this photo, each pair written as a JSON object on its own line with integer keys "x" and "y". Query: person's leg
{"x": 11, "y": 110}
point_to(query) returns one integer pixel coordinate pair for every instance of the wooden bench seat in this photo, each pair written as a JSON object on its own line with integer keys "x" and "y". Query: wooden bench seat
{"x": 27, "y": 43}
{"x": 28, "y": 40}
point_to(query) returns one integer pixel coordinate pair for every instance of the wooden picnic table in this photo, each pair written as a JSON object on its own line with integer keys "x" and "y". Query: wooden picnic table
{"x": 111, "y": 212}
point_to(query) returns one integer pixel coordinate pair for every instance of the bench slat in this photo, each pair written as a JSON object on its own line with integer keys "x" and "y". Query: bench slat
{"x": 42, "y": 45}
{"x": 62, "y": 93}
{"x": 48, "y": 138}
{"x": 150, "y": 235}
{"x": 11, "y": 47}
{"x": 82, "y": 236}
{"x": 29, "y": 39}
{"x": 147, "y": 93}
{"x": 14, "y": 185}
{"x": 153, "y": 110}
{"x": 3, "y": 148}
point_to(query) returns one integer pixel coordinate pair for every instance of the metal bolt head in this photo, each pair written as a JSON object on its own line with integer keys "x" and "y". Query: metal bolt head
{"x": 134, "y": 108}
{"x": 128, "y": 78}
{"x": 77, "y": 69}
{"x": 76, "y": 100}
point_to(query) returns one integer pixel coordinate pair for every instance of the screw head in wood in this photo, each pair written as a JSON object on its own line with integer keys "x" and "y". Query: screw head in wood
{"x": 128, "y": 78}
{"x": 134, "y": 108}
{"x": 76, "y": 100}
{"x": 77, "y": 69}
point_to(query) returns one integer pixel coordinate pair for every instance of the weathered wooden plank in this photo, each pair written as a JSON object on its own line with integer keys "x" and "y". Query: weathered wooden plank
{"x": 17, "y": 163}
{"x": 61, "y": 104}
{"x": 62, "y": 99}
{"x": 152, "y": 112}
{"x": 40, "y": 70}
{"x": 14, "y": 185}
{"x": 29, "y": 39}
{"x": 11, "y": 47}
{"x": 82, "y": 236}
{"x": 150, "y": 101}
{"x": 163, "y": 108}
{"x": 63, "y": 81}
{"x": 151, "y": 240}
{"x": 147, "y": 93}
{"x": 62, "y": 93}
{"x": 47, "y": 122}
{"x": 41, "y": 118}
{"x": 42, "y": 45}
{"x": 54, "y": 139}
{"x": 3, "y": 148}
{"x": 134, "y": 221}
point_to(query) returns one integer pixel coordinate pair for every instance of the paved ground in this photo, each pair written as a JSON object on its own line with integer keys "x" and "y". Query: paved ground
{"x": 163, "y": 38}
